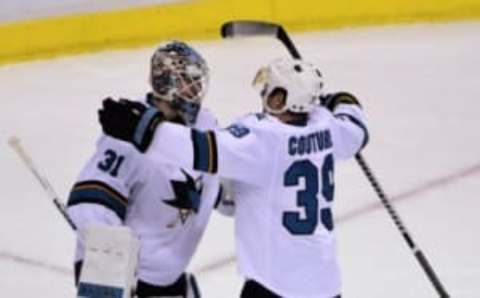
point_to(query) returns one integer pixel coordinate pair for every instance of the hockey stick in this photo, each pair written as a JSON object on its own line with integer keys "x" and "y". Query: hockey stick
{"x": 257, "y": 28}
{"x": 14, "y": 142}
{"x": 247, "y": 28}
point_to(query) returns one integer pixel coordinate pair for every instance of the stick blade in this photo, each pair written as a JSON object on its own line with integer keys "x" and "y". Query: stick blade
{"x": 246, "y": 28}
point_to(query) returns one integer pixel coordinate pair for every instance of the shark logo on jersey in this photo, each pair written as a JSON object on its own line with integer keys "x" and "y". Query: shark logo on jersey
{"x": 187, "y": 198}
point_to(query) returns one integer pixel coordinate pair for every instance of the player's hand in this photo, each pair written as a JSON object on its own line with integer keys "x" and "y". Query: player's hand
{"x": 331, "y": 101}
{"x": 129, "y": 121}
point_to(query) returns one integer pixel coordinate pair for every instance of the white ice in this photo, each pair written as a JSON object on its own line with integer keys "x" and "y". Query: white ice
{"x": 419, "y": 85}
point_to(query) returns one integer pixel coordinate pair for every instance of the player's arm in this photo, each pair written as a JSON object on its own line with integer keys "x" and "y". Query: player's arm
{"x": 104, "y": 184}
{"x": 213, "y": 152}
{"x": 100, "y": 194}
{"x": 349, "y": 131}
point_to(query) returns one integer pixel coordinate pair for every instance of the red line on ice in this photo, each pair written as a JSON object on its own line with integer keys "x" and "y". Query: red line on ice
{"x": 433, "y": 184}
{"x": 409, "y": 194}
{"x": 35, "y": 263}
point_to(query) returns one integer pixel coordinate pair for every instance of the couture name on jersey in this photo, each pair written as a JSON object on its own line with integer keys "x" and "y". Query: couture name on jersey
{"x": 310, "y": 143}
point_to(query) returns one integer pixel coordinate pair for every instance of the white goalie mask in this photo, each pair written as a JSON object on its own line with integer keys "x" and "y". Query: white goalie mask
{"x": 179, "y": 75}
{"x": 300, "y": 80}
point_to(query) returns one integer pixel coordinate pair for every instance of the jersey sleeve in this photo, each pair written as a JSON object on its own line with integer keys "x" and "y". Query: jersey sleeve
{"x": 239, "y": 152}
{"x": 101, "y": 192}
{"x": 227, "y": 152}
{"x": 104, "y": 185}
{"x": 349, "y": 132}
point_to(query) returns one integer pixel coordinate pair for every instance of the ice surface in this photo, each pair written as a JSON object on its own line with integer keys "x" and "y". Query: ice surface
{"x": 420, "y": 86}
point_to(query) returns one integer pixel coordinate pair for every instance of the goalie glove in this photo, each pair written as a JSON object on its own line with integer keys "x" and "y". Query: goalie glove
{"x": 331, "y": 101}
{"x": 130, "y": 121}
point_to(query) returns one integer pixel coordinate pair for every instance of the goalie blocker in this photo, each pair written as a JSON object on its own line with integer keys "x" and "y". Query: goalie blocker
{"x": 108, "y": 268}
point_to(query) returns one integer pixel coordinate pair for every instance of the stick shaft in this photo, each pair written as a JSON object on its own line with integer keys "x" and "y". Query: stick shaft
{"x": 14, "y": 142}
{"x": 422, "y": 260}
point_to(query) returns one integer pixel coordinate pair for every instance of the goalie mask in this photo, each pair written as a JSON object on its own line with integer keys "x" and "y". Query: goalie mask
{"x": 300, "y": 81}
{"x": 179, "y": 75}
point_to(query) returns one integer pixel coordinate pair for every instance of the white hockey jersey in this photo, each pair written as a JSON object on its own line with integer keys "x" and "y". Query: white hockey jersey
{"x": 284, "y": 190}
{"x": 166, "y": 207}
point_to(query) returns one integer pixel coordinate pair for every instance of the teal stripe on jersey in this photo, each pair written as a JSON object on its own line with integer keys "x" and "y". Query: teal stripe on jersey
{"x": 200, "y": 151}
{"x": 98, "y": 193}
{"x": 143, "y": 125}
{"x": 94, "y": 290}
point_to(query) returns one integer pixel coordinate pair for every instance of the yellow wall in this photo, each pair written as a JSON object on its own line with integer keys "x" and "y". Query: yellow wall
{"x": 202, "y": 19}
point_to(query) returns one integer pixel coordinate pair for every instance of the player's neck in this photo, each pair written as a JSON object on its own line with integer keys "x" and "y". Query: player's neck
{"x": 293, "y": 118}
{"x": 170, "y": 113}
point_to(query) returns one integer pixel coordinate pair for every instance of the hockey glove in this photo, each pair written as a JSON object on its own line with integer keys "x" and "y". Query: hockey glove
{"x": 129, "y": 121}
{"x": 331, "y": 101}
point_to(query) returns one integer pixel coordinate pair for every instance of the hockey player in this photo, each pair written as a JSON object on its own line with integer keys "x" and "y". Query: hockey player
{"x": 282, "y": 164}
{"x": 166, "y": 207}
